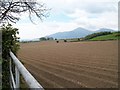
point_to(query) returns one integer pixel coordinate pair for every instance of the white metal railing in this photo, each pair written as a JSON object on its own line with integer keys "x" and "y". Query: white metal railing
{"x": 20, "y": 69}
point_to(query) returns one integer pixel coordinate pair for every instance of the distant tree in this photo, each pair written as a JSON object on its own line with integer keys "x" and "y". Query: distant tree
{"x": 43, "y": 39}
{"x": 10, "y": 10}
{"x": 49, "y": 38}
{"x": 78, "y": 39}
{"x": 65, "y": 40}
{"x": 55, "y": 38}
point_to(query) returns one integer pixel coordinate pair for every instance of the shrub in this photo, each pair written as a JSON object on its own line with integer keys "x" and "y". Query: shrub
{"x": 78, "y": 39}
{"x": 65, "y": 40}
{"x": 9, "y": 42}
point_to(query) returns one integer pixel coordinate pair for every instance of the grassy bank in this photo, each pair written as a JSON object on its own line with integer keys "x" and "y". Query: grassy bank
{"x": 113, "y": 36}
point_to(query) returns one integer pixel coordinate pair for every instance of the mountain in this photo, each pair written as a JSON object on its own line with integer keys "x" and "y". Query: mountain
{"x": 76, "y": 33}
{"x": 104, "y": 30}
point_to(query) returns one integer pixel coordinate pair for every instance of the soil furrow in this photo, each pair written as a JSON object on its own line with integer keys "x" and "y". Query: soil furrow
{"x": 75, "y": 68}
{"x": 75, "y": 61}
{"x": 78, "y": 77}
{"x": 71, "y": 65}
{"x": 80, "y": 71}
{"x": 68, "y": 83}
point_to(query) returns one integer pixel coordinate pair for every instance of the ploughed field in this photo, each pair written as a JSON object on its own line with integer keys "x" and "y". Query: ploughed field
{"x": 72, "y": 65}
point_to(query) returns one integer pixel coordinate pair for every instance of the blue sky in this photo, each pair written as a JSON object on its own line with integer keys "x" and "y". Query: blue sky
{"x": 66, "y": 15}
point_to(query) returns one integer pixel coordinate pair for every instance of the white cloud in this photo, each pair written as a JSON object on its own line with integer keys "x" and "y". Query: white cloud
{"x": 70, "y": 5}
{"x": 95, "y": 21}
{"x": 89, "y": 14}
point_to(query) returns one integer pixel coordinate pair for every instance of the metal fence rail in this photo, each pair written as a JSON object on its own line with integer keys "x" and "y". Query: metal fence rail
{"x": 20, "y": 69}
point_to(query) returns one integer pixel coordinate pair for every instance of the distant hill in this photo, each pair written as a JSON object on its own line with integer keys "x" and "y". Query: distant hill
{"x": 112, "y": 36}
{"x": 104, "y": 30}
{"x": 100, "y": 36}
{"x": 77, "y": 33}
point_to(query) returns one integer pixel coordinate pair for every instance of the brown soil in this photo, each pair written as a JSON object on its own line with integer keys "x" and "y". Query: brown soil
{"x": 72, "y": 65}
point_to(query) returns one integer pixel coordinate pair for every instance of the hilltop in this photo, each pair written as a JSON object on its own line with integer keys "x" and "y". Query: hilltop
{"x": 77, "y": 33}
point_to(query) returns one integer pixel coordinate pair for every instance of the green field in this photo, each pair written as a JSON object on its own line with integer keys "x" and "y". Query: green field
{"x": 113, "y": 36}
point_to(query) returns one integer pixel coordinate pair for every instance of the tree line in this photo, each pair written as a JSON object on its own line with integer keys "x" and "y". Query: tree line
{"x": 96, "y": 35}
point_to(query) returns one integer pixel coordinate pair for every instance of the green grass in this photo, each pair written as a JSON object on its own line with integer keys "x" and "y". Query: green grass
{"x": 113, "y": 36}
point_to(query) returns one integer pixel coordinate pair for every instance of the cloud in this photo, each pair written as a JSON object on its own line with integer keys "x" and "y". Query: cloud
{"x": 95, "y": 21}
{"x": 67, "y": 15}
{"x": 59, "y": 6}
{"x": 100, "y": 7}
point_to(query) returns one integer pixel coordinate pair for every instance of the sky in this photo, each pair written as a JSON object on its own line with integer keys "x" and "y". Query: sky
{"x": 66, "y": 15}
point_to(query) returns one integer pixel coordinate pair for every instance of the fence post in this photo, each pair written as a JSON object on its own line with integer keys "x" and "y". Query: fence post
{"x": 11, "y": 77}
{"x": 17, "y": 77}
